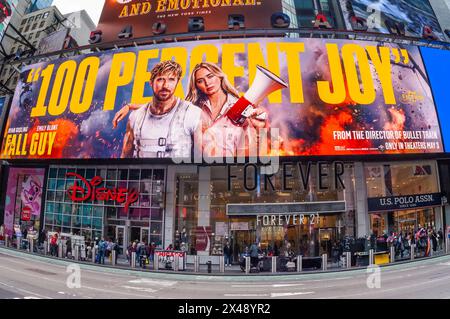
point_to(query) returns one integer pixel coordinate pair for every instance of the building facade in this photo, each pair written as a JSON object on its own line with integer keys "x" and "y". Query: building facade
{"x": 315, "y": 199}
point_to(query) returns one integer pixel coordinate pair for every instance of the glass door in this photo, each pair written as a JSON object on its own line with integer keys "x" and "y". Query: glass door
{"x": 326, "y": 238}
{"x": 144, "y": 235}
{"x": 135, "y": 234}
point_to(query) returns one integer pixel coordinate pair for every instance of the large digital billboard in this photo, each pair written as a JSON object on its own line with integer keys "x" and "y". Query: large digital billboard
{"x": 437, "y": 63}
{"x": 341, "y": 98}
{"x": 142, "y": 18}
{"x": 399, "y": 16}
{"x": 7, "y": 8}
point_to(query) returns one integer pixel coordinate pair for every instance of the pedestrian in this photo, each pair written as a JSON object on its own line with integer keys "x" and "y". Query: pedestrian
{"x": 433, "y": 237}
{"x": 254, "y": 255}
{"x": 440, "y": 237}
{"x": 54, "y": 245}
{"x": 69, "y": 248}
{"x": 228, "y": 252}
{"x": 116, "y": 248}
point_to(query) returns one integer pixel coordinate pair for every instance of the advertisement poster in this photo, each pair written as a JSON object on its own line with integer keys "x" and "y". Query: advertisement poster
{"x": 23, "y": 196}
{"x": 342, "y": 98}
{"x": 203, "y": 238}
{"x": 53, "y": 42}
{"x": 413, "y": 14}
{"x": 437, "y": 64}
{"x": 7, "y": 8}
{"x": 143, "y": 18}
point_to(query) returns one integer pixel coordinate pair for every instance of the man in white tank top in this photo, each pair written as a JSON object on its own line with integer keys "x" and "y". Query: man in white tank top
{"x": 165, "y": 127}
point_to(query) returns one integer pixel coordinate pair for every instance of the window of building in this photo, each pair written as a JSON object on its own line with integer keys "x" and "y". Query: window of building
{"x": 394, "y": 179}
{"x": 45, "y": 15}
{"x": 23, "y": 22}
{"x": 97, "y": 218}
{"x": 26, "y": 28}
{"x": 34, "y": 26}
{"x": 42, "y": 24}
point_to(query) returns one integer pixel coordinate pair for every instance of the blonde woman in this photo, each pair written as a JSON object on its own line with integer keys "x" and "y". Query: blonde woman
{"x": 210, "y": 90}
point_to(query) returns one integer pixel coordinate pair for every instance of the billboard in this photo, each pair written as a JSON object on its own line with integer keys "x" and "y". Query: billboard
{"x": 437, "y": 64}
{"x": 142, "y": 18}
{"x": 409, "y": 15}
{"x": 23, "y": 196}
{"x": 342, "y": 98}
{"x": 53, "y": 42}
{"x": 7, "y": 8}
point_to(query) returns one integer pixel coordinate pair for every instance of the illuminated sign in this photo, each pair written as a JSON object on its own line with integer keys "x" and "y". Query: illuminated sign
{"x": 342, "y": 98}
{"x": 88, "y": 191}
{"x": 141, "y": 18}
{"x": 414, "y": 18}
{"x": 7, "y": 8}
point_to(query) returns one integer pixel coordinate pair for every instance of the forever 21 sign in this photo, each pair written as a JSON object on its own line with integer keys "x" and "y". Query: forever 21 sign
{"x": 403, "y": 202}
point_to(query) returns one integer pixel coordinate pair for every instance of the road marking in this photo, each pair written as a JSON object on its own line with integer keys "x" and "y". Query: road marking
{"x": 140, "y": 289}
{"x": 246, "y": 295}
{"x": 163, "y": 283}
{"x": 287, "y": 294}
{"x": 266, "y": 286}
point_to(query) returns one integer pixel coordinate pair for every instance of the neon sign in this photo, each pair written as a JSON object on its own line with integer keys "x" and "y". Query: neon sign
{"x": 87, "y": 191}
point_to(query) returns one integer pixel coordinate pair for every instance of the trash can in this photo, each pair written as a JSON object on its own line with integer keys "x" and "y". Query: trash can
{"x": 209, "y": 265}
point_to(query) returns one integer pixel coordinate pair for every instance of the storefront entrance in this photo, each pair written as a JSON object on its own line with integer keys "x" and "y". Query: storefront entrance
{"x": 310, "y": 239}
{"x": 140, "y": 234}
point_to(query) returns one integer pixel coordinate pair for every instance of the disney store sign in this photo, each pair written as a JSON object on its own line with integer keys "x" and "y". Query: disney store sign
{"x": 88, "y": 191}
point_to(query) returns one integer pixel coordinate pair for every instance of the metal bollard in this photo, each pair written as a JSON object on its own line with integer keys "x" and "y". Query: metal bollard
{"x": 348, "y": 259}
{"x": 133, "y": 259}
{"x": 113, "y": 260}
{"x": 76, "y": 254}
{"x": 60, "y": 251}
{"x": 176, "y": 260}
{"x": 392, "y": 254}
{"x": 299, "y": 263}
{"x": 222, "y": 264}
{"x": 6, "y": 241}
{"x": 155, "y": 262}
{"x": 31, "y": 246}
{"x": 18, "y": 243}
{"x": 247, "y": 265}
{"x": 413, "y": 251}
{"x": 274, "y": 264}
{"x": 324, "y": 262}
{"x": 196, "y": 263}
{"x": 45, "y": 248}
{"x": 93, "y": 254}
{"x": 371, "y": 257}
{"x": 447, "y": 245}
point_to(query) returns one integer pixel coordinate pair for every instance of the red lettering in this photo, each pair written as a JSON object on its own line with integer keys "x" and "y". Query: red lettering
{"x": 88, "y": 191}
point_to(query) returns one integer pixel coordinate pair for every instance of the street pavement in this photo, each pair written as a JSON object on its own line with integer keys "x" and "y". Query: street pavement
{"x": 33, "y": 277}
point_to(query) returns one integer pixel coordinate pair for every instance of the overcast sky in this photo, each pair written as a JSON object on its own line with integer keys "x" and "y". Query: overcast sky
{"x": 93, "y": 7}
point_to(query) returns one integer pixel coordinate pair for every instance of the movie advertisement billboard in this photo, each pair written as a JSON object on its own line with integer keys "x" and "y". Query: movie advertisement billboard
{"x": 7, "y": 8}
{"x": 379, "y": 16}
{"x": 23, "y": 196}
{"x": 339, "y": 97}
{"x": 143, "y": 18}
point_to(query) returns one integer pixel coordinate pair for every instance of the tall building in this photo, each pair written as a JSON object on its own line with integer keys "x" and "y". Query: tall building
{"x": 81, "y": 25}
{"x": 39, "y": 24}
{"x": 37, "y": 5}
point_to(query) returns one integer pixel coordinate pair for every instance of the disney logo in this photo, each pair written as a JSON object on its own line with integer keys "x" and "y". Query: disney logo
{"x": 88, "y": 191}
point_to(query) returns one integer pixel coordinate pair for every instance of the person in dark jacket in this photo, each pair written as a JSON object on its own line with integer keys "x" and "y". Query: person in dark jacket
{"x": 227, "y": 252}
